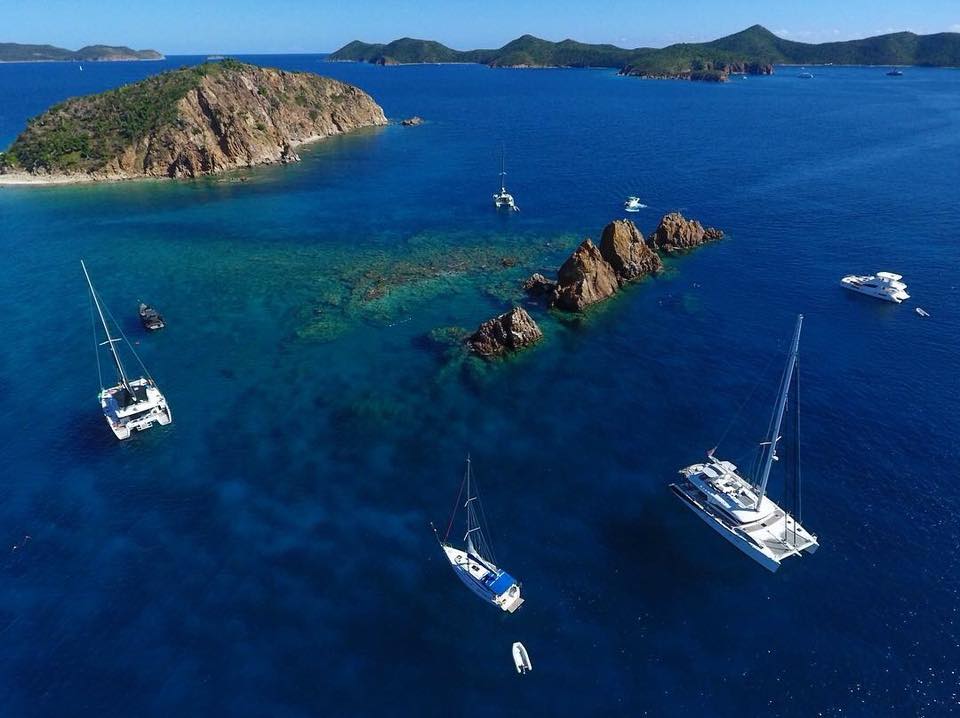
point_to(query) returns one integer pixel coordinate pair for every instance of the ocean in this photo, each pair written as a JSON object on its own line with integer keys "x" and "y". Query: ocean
{"x": 270, "y": 553}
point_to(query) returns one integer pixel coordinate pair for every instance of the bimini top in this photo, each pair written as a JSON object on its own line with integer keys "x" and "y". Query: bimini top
{"x": 502, "y": 582}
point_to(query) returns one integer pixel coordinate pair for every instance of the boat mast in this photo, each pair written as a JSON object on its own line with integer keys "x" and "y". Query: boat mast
{"x": 503, "y": 182}
{"x": 110, "y": 340}
{"x": 776, "y": 420}
{"x": 472, "y": 524}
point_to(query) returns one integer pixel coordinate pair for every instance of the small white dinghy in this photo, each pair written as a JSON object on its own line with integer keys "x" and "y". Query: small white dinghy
{"x": 521, "y": 658}
{"x": 922, "y": 312}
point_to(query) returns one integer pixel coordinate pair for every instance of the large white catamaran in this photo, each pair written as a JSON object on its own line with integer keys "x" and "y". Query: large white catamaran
{"x": 475, "y": 564}
{"x": 503, "y": 199}
{"x": 738, "y": 508}
{"x": 129, "y": 405}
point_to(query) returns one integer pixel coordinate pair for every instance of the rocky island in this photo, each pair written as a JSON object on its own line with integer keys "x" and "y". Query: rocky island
{"x": 16, "y": 52}
{"x": 590, "y": 275}
{"x": 753, "y": 51}
{"x": 186, "y": 123}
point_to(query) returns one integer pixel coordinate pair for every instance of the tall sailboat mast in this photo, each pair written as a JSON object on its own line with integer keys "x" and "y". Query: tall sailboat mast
{"x": 776, "y": 420}
{"x": 472, "y": 524}
{"x": 110, "y": 340}
{"x": 503, "y": 172}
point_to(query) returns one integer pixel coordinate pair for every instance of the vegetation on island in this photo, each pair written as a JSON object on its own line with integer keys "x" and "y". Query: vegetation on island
{"x": 751, "y": 50}
{"x": 83, "y": 133}
{"x": 16, "y": 52}
{"x": 189, "y": 122}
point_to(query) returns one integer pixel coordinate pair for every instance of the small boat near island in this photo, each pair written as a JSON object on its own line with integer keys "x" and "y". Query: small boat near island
{"x": 503, "y": 199}
{"x": 882, "y": 285}
{"x": 894, "y": 72}
{"x": 922, "y": 312}
{"x": 633, "y": 204}
{"x": 129, "y": 405}
{"x": 151, "y": 319}
{"x": 805, "y": 75}
{"x": 475, "y": 564}
{"x": 738, "y": 508}
{"x": 521, "y": 659}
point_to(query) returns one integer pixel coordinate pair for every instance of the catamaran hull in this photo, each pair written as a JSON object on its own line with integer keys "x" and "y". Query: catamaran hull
{"x": 760, "y": 554}
{"x": 125, "y": 431}
{"x": 124, "y": 426}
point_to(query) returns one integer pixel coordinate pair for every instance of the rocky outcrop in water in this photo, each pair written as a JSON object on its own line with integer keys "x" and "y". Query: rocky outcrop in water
{"x": 509, "y": 332}
{"x": 584, "y": 279}
{"x": 412, "y": 121}
{"x": 190, "y": 122}
{"x": 593, "y": 274}
{"x": 623, "y": 247}
{"x": 539, "y": 286}
{"x": 675, "y": 233}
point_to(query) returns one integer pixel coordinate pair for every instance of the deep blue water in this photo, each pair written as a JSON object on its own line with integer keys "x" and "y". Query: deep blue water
{"x": 270, "y": 552}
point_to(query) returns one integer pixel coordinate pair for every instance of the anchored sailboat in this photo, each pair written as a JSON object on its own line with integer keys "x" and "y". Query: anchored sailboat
{"x": 475, "y": 565}
{"x": 738, "y": 508}
{"x": 129, "y": 405}
{"x": 503, "y": 198}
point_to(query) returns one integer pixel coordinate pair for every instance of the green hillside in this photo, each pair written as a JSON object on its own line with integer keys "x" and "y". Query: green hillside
{"x": 82, "y": 133}
{"x": 15, "y": 52}
{"x": 751, "y": 50}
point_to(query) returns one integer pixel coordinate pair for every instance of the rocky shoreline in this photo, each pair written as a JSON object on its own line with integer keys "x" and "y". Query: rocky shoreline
{"x": 192, "y": 122}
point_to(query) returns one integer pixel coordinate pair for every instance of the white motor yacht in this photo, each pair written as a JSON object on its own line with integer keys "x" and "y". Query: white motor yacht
{"x": 882, "y": 285}
{"x": 738, "y": 508}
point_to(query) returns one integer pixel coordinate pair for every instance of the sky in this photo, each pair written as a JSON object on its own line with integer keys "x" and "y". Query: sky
{"x": 251, "y": 26}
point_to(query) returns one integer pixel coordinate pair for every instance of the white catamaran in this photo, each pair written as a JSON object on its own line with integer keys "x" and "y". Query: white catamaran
{"x": 130, "y": 405}
{"x": 504, "y": 199}
{"x": 738, "y": 508}
{"x": 475, "y": 565}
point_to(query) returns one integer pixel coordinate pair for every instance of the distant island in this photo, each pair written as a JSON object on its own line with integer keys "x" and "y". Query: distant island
{"x": 184, "y": 123}
{"x": 752, "y": 51}
{"x": 15, "y": 52}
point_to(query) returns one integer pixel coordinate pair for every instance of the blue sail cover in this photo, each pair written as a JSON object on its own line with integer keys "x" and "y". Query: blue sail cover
{"x": 502, "y": 582}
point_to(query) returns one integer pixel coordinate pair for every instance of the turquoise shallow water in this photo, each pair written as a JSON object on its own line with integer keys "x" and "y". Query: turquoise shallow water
{"x": 270, "y": 552}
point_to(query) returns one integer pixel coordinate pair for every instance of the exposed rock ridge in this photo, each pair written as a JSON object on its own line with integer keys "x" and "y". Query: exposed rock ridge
{"x": 675, "y": 233}
{"x": 592, "y": 274}
{"x": 508, "y": 332}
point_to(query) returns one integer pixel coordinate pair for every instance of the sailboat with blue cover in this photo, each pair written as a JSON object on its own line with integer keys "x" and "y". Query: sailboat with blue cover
{"x": 475, "y": 564}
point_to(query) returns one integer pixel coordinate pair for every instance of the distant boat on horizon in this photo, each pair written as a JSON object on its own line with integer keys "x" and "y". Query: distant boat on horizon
{"x": 894, "y": 72}
{"x": 738, "y": 508}
{"x": 475, "y": 564}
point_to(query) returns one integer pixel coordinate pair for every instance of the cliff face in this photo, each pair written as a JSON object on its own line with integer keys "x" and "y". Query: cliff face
{"x": 584, "y": 279}
{"x": 191, "y": 122}
{"x": 625, "y": 250}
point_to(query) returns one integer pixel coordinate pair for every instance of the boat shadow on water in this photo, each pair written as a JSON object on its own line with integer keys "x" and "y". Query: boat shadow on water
{"x": 657, "y": 537}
